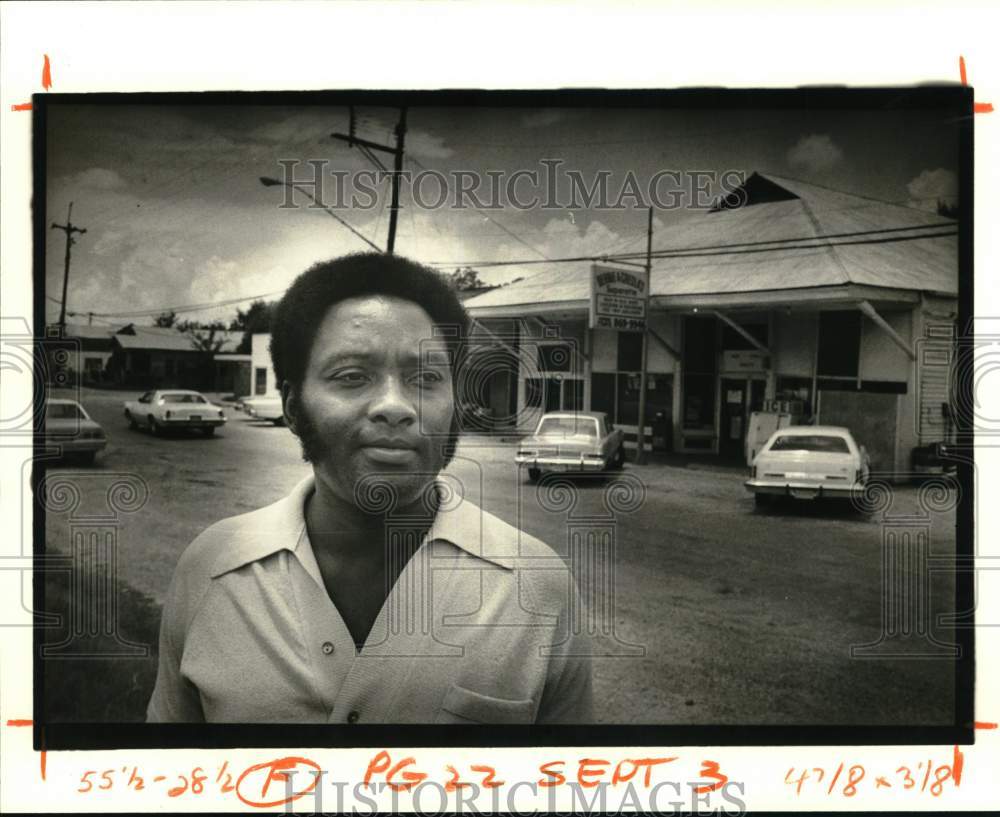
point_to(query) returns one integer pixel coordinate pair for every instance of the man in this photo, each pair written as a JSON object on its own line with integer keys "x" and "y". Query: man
{"x": 375, "y": 592}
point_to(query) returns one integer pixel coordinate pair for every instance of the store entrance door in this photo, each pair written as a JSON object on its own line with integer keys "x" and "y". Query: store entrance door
{"x": 739, "y": 396}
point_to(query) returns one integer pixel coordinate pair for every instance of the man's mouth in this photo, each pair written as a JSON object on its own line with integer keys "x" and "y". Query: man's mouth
{"x": 390, "y": 451}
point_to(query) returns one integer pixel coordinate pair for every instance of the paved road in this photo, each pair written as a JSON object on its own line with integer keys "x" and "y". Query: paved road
{"x": 740, "y": 617}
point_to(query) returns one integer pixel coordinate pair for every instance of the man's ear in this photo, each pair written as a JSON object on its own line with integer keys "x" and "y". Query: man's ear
{"x": 290, "y": 406}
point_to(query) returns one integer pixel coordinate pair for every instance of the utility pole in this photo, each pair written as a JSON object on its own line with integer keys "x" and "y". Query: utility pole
{"x": 640, "y": 454}
{"x": 69, "y": 229}
{"x": 366, "y": 146}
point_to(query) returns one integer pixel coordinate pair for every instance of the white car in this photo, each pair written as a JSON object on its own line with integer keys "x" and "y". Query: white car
{"x": 575, "y": 441}
{"x": 174, "y": 408}
{"x": 807, "y": 462}
{"x": 265, "y": 408}
{"x": 69, "y": 427}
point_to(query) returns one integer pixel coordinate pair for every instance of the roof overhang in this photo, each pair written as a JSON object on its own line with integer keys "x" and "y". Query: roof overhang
{"x": 813, "y": 298}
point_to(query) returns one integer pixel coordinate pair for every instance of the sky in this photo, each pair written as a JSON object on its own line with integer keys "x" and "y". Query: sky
{"x": 176, "y": 215}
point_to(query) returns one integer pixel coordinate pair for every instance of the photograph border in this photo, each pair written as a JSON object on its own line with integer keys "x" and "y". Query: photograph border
{"x": 959, "y": 99}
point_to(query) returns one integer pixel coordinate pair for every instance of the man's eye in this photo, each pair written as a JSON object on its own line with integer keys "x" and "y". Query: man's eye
{"x": 351, "y": 377}
{"x": 428, "y": 377}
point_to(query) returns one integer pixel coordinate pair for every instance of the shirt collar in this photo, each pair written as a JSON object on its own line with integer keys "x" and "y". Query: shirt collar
{"x": 282, "y": 526}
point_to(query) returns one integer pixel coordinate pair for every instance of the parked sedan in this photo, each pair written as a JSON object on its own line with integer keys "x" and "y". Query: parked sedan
{"x": 265, "y": 408}
{"x": 174, "y": 408}
{"x": 572, "y": 441}
{"x": 69, "y": 427}
{"x": 807, "y": 462}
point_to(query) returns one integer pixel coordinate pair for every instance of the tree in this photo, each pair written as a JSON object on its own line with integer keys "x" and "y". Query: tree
{"x": 464, "y": 278}
{"x": 947, "y": 210}
{"x": 207, "y": 342}
{"x": 203, "y": 336}
{"x": 256, "y": 319}
{"x": 166, "y": 319}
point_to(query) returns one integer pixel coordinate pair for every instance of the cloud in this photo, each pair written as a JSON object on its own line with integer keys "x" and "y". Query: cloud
{"x": 542, "y": 118}
{"x": 815, "y": 153}
{"x": 99, "y": 178}
{"x": 301, "y": 128}
{"x": 932, "y": 186}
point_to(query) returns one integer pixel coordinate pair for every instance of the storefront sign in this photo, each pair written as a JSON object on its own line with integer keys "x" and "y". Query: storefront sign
{"x": 618, "y": 299}
{"x": 744, "y": 360}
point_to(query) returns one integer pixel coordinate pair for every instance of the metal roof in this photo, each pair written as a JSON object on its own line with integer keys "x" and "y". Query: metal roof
{"x": 917, "y": 259}
{"x": 170, "y": 340}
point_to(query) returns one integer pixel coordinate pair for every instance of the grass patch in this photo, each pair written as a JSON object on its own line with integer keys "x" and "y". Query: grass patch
{"x": 93, "y": 676}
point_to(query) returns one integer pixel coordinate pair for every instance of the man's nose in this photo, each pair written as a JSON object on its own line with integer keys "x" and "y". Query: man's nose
{"x": 392, "y": 403}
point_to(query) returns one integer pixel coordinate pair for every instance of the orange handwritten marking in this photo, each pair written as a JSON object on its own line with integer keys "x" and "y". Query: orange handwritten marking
{"x": 557, "y": 777}
{"x": 489, "y": 781}
{"x": 957, "y": 762}
{"x": 977, "y": 107}
{"x": 46, "y": 84}
{"x": 983, "y": 725}
{"x": 277, "y": 770}
{"x": 585, "y": 771}
{"x": 22, "y": 722}
{"x": 647, "y": 763}
{"x": 709, "y": 768}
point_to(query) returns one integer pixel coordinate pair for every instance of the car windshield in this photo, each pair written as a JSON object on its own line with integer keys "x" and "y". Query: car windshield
{"x": 826, "y": 444}
{"x": 183, "y": 398}
{"x": 63, "y": 411}
{"x": 568, "y": 426}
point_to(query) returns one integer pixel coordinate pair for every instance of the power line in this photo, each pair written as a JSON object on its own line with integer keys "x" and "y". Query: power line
{"x": 145, "y": 313}
{"x": 509, "y": 232}
{"x": 724, "y": 249}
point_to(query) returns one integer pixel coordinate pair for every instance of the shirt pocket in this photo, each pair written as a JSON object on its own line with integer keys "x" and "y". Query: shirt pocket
{"x": 462, "y": 705}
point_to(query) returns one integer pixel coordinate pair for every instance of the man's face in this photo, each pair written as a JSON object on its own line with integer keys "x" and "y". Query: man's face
{"x": 372, "y": 401}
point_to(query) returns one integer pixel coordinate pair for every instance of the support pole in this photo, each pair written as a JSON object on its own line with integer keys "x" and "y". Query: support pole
{"x": 397, "y": 169}
{"x": 640, "y": 453}
{"x": 69, "y": 228}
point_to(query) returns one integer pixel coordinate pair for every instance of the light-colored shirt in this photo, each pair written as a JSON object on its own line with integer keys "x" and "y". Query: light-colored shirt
{"x": 477, "y": 629}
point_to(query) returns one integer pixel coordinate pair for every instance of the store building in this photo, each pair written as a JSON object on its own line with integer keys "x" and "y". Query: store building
{"x": 790, "y": 296}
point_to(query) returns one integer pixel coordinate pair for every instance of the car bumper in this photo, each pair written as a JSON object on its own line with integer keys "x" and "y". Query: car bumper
{"x": 183, "y": 422}
{"x": 69, "y": 446}
{"x": 802, "y": 490}
{"x": 560, "y": 463}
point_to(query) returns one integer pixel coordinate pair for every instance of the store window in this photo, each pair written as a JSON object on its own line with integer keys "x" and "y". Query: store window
{"x": 699, "y": 401}
{"x": 839, "y": 344}
{"x": 572, "y": 395}
{"x": 629, "y": 351}
{"x": 700, "y": 367}
{"x": 659, "y": 398}
{"x": 534, "y": 392}
{"x": 555, "y": 357}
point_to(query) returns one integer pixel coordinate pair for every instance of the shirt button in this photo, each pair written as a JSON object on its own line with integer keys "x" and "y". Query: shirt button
{"x": 327, "y": 648}
{"x": 353, "y": 717}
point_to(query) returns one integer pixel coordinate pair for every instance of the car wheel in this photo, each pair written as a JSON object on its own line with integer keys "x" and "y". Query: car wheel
{"x": 278, "y": 421}
{"x": 152, "y": 425}
{"x": 208, "y": 431}
{"x": 762, "y": 501}
{"x": 131, "y": 420}
{"x": 620, "y": 457}
{"x": 534, "y": 474}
